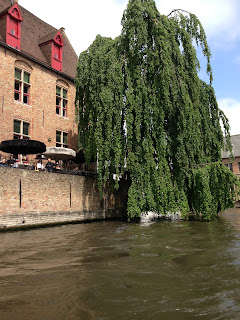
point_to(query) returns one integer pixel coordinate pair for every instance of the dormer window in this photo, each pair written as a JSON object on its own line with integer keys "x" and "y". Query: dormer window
{"x": 57, "y": 46}
{"x": 13, "y": 29}
{"x": 52, "y": 47}
{"x": 57, "y": 51}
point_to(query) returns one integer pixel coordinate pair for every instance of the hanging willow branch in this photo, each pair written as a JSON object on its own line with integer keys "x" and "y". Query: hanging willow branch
{"x": 178, "y": 10}
{"x": 144, "y": 110}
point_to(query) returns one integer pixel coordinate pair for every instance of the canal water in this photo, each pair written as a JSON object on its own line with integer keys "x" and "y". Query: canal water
{"x": 117, "y": 270}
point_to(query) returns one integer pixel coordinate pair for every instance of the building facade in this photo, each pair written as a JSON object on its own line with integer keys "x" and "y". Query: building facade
{"x": 38, "y": 68}
{"x": 233, "y": 165}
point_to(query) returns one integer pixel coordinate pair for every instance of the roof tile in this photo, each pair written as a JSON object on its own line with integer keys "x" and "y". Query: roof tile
{"x": 235, "y": 140}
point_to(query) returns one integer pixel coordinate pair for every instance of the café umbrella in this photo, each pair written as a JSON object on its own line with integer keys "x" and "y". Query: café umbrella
{"x": 59, "y": 153}
{"x": 22, "y": 146}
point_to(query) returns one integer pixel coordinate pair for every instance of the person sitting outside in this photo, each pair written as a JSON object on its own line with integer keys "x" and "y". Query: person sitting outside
{"x": 3, "y": 163}
{"x": 49, "y": 165}
{"x": 40, "y": 165}
{"x": 58, "y": 166}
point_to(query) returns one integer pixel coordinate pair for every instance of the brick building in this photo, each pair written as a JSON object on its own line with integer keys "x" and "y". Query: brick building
{"x": 37, "y": 67}
{"x": 234, "y": 166}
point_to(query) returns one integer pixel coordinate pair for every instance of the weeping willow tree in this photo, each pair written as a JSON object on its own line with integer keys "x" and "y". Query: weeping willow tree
{"x": 143, "y": 109}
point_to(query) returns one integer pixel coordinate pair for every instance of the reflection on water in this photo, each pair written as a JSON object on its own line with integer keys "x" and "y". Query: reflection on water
{"x": 116, "y": 270}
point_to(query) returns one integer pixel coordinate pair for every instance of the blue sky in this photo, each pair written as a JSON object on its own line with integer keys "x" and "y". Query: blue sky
{"x": 84, "y": 19}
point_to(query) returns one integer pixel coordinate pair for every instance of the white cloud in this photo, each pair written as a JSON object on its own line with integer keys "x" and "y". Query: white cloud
{"x": 231, "y": 108}
{"x": 219, "y": 18}
{"x": 97, "y": 17}
{"x": 83, "y": 20}
{"x": 215, "y": 15}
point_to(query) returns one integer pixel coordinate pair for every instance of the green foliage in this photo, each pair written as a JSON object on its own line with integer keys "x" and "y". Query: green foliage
{"x": 212, "y": 188}
{"x": 143, "y": 109}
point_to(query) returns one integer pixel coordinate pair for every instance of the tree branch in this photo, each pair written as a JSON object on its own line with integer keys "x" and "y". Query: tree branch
{"x": 174, "y": 10}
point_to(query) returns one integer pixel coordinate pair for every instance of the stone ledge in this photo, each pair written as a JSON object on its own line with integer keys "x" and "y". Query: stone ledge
{"x": 33, "y": 220}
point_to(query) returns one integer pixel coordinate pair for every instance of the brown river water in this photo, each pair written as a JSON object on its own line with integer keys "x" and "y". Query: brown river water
{"x": 118, "y": 270}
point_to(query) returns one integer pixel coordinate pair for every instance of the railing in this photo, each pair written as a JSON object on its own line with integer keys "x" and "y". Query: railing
{"x": 29, "y": 166}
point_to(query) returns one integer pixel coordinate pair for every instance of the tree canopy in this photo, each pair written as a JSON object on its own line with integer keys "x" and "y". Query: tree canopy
{"x": 143, "y": 109}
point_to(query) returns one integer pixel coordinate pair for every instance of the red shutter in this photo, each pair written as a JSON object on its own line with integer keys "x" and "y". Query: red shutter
{"x": 56, "y": 57}
{"x": 13, "y": 32}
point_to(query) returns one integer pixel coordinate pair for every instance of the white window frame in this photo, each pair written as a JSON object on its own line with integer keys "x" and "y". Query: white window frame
{"x": 62, "y": 106}
{"x": 20, "y": 134}
{"x": 22, "y": 86}
{"x": 61, "y": 142}
{"x": 229, "y": 165}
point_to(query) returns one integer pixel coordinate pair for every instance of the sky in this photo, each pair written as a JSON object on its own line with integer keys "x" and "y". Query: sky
{"x": 84, "y": 19}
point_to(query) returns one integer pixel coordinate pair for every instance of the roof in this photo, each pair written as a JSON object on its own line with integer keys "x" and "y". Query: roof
{"x": 4, "y": 6}
{"x": 235, "y": 140}
{"x": 46, "y": 38}
{"x": 34, "y": 30}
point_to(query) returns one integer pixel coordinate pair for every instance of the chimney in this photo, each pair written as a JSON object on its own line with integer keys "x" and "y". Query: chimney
{"x": 62, "y": 30}
{"x": 15, "y": 1}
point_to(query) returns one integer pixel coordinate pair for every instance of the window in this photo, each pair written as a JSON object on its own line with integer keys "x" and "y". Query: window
{"x": 57, "y": 52}
{"x": 20, "y": 129}
{"x": 61, "y": 139}
{"x": 61, "y": 101}
{"x": 14, "y": 27}
{"x": 21, "y": 86}
{"x": 57, "y": 49}
{"x": 229, "y": 166}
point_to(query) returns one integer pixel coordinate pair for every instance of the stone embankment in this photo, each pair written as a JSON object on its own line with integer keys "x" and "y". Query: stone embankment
{"x": 30, "y": 198}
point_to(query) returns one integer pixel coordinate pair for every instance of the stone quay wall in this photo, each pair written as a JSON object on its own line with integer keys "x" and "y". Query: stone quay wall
{"x": 31, "y": 198}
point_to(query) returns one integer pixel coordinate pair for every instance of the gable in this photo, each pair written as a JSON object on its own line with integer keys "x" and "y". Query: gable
{"x": 15, "y": 13}
{"x": 58, "y": 39}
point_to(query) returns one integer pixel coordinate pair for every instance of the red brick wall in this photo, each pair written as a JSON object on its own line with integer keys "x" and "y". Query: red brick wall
{"x": 235, "y": 165}
{"x": 41, "y": 113}
{"x": 51, "y": 194}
